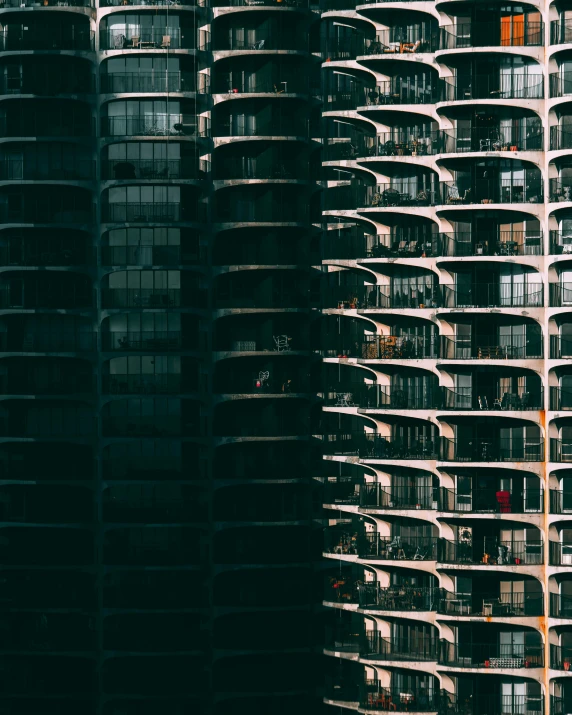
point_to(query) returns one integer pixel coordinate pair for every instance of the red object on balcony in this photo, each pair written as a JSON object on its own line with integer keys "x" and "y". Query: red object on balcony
{"x": 503, "y": 499}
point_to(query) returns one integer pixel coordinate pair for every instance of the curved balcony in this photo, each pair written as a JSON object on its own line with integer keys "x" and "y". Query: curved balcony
{"x": 560, "y": 553}
{"x": 467, "y": 398}
{"x": 46, "y": 3}
{"x": 405, "y": 193}
{"x": 374, "y": 697}
{"x": 44, "y": 341}
{"x": 560, "y": 606}
{"x": 560, "y": 243}
{"x": 560, "y": 32}
{"x": 37, "y": 290}
{"x": 149, "y": 212}
{"x": 488, "y": 191}
{"x": 271, "y": 38}
{"x": 491, "y": 449}
{"x": 398, "y": 41}
{"x": 493, "y": 243}
{"x": 560, "y": 399}
{"x": 560, "y": 294}
{"x": 145, "y": 340}
{"x": 560, "y": 450}
{"x": 156, "y": 38}
{"x": 29, "y": 247}
{"x": 559, "y": 502}
{"x": 374, "y": 646}
{"x": 54, "y": 76}
{"x": 415, "y": 295}
{"x": 39, "y": 37}
{"x": 29, "y": 166}
{"x": 491, "y": 34}
{"x": 284, "y": 124}
{"x": 250, "y": 83}
{"x": 487, "y": 295}
{"x": 503, "y": 605}
{"x": 46, "y": 420}
{"x": 382, "y": 397}
{"x": 484, "y": 347}
{"x": 370, "y": 445}
{"x": 154, "y": 125}
{"x": 121, "y": 384}
{"x": 490, "y": 500}
{"x": 560, "y": 86}
{"x": 491, "y": 551}
{"x": 399, "y": 90}
{"x": 560, "y": 657}
{"x": 114, "y": 298}
{"x": 263, "y": 3}
{"x": 387, "y": 347}
{"x": 464, "y": 88}
{"x": 492, "y": 139}
{"x": 560, "y": 190}
{"x": 490, "y": 655}
{"x": 281, "y": 165}
{"x": 153, "y": 169}
{"x": 46, "y": 118}
{"x": 153, "y": 82}
{"x": 158, "y": 3}
{"x": 371, "y": 595}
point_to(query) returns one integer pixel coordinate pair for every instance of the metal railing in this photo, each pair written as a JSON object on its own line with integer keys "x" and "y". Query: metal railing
{"x": 560, "y": 606}
{"x": 156, "y": 169}
{"x": 490, "y": 191}
{"x": 499, "y": 85}
{"x": 369, "y": 445}
{"x": 154, "y": 340}
{"x": 262, "y": 40}
{"x": 560, "y": 243}
{"x": 560, "y": 554}
{"x": 491, "y": 551}
{"x": 396, "y": 497}
{"x": 560, "y": 32}
{"x": 376, "y": 698}
{"x": 400, "y": 40}
{"x": 252, "y": 84}
{"x": 560, "y": 294}
{"x": 399, "y": 90}
{"x": 145, "y": 255}
{"x": 32, "y": 168}
{"x": 560, "y": 657}
{"x": 560, "y": 502}
{"x": 383, "y": 397}
{"x": 372, "y": 545}
{"x": 152, "y": 212}
{"x": 485, "y": 347}
{"x": 492, "y": 34}
{"x": 501, "y": 243}
{"x": 408, "y": 296}
{"x": 275, "y": 166}
{"x": 38, "y": 37}
{"x": 390, "y": 347}
{"x": 283, "y": 125}
{"x": 141, "y": 298}
{"x": 560, "y": 347}
{"x": 154, "y": 125}
{"x": 146, "y": 384}
{"x": 560, "y": 450}
{"x": 560, "y": 399}
{"x": 491, "y": 449}
{"x": 492, "y": 501}
{"x": 492, "y": 139}
{"x": 491, "y": 655}
{"x": 171, "y": 38}
{"x": 374, "y": 645}
{"x": 486, "y": 295}
{"x": 560, "y": 85}
{"x": 50, "y": 342}
{"x": 397, "y": 598}
{"x": 149, "y": 82}
{"x": 504, "y": 605}
{"x": 45, "y": 82}
{"x": 170, "y": 3}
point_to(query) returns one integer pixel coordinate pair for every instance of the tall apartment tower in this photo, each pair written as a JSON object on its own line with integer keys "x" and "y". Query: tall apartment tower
{"x": 159, "y": 526}
{"x": 447, "y": 344}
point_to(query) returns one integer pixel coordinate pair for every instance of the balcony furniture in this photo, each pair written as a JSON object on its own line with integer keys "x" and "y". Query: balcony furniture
{"x": 410, "y": 46}
{"x": 166, "y": 42}
{"x": 492, "y": 352}
{"x": 505, "y": 663}
{"x": 134, "y": 41}
{"x": 282, "y": 342}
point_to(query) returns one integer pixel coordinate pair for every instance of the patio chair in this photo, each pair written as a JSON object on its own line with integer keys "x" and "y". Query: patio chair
{"x": 166, "y": 42}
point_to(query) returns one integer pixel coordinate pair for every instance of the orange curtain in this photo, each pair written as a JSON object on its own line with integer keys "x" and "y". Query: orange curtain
{"x": 505, "y": 31}
{"x": 518, "y": 30}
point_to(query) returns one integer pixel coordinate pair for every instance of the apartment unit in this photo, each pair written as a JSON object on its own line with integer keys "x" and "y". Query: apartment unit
{"x": 159, "y": 524}
{"x": 447, "y": 431}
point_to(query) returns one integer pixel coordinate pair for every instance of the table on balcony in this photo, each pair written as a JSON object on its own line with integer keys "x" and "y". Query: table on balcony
{"x": 492, "y": 352}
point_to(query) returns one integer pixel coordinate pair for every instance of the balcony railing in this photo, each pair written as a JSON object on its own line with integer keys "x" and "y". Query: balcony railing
{"x": 26, "y": 169}
{"x": 152, "y": 212}
{"x": 491, "y": 139}
{"x": 560, "y": 347}
{"x": 383, "y": 397}
{"x": 272, "y": 167}
{"x": 560, "y": 399}
{"x": 492, "y": 34}
{"x": 395, "y": 194}
{"x": 483, "y": 347}
{"x": 400, "y": 41}
{"x": 153, "y": 125}
{"x": 265, "y": 3}
{"x": 373, "y": 546}
{"x": 560, "y": 32}
{"x": 48, "y": 3}
{"x": 560, "y": 243}
{"x": 374, "y": 646}
{"x": 398, "y": 91}
{"x": 164, "y": 38}
{"x": 515, "y": 190}
{"x": 170, "y": 3}
{"x": 501, "y": 243}
{"x": 560, "y": 294}
{"x": 492, "y": 501}
{"x": 491, "y": 655}
{"x": 560, "y": 606}
{"x": 560, "y": 502}
{"x": 262, "y": 40}
{"x": 386, "y": 347}
{"x": 560, "y": 554}
{"x": 397, "y": 598}
{"x": 561, "y": 138}
{"x": 560, "y": 190}
{"x": 49, "y": 342}
{"x": 487, "y": 295}
{"x": 396, "y": 497}
{"x": 149, "y": 82}
{"x": 505, "y": 605}
{"x": 147, "y": 384}
{"x": 155, "y": 169}
{"x": 490, "y": 551}
{"x": 252, "y": 84}
{"x": 496, "y": 85}
{"x": 38, "y": 37}
{"x": 560, "y": 657}
{"x": 491, "y": 449}
{"x": 145, "y": 298}
{"x": 376, "y": 698}
{"x": 414, "y": 295}
{"x": 560, "y": 450}
{"x": 282, "y": 125}
{"x": 369, "y": 445}
{"x": 126, "y": 341}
